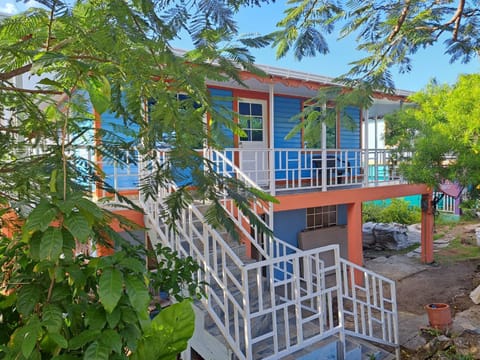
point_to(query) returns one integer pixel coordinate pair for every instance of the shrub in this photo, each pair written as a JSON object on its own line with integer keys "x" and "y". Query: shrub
{"x": 398, "y": 211}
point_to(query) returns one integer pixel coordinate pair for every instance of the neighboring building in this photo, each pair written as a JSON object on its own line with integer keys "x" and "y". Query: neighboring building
{"x": 277, "y": 297}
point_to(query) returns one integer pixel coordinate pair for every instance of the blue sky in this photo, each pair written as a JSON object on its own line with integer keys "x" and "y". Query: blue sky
{"x": 427, "y": 64}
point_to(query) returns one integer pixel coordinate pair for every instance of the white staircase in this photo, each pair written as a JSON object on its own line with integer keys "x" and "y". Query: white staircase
{"x": 289, "y": 303}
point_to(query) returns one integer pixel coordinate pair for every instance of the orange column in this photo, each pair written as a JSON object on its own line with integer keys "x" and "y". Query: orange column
{"x": 354, "y": 233}
{"x": 427, "y": 229}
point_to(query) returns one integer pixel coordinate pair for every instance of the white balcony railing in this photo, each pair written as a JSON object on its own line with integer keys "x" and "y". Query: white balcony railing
{"x": 280, "y": 170}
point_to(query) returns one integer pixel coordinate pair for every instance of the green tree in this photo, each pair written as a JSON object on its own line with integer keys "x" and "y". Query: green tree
{"x": 116, "y": 56}
{"x": 387, "y": 32}
{"x": 439, "y": 135}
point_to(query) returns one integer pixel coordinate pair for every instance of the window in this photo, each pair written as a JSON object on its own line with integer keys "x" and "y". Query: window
{"x": 250, "y": 120}
{"x": 322, "y": 216}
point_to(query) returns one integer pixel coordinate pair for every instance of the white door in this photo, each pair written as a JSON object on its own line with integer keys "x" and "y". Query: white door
{"x": 253, "y": 144}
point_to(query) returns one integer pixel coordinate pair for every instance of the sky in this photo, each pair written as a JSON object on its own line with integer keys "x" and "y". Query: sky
{"x": 427, "y": 64}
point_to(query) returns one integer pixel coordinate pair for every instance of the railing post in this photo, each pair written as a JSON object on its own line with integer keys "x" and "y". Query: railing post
{"x": 366, "y": 149}
{"x": 324, "y": 150}
{"x": 341, "y": 319}
{"x": 271, "y": 139}
{"x": 246, "y": 316}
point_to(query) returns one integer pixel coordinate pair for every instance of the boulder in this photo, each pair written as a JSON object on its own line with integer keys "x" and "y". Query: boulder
{"x": 381, "y": 236}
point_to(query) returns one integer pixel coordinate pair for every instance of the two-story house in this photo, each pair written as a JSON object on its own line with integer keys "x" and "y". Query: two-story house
{"x": 287, "y": 295}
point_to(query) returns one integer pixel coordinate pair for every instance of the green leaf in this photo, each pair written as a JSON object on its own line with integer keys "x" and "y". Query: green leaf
{"x": 129, "y": 315}
{"x": 97, "y": 351}
{"x": 100, "y": 93}
{"x": 111, "y": 339}
{"x": 31, "y": 333}
{"x": 68, "y": 241}
{"x": 51, "y": 244}
{"x": 83, "y": 338}
{"x": 110, "y": 288}
{"x": 8, "y": 301}
{"x": 47, "y": 81}
{"x": 169, "y": 333}
{"x": 78, "y": 226}
{"x": 28, "y": 296}
{"x": 138, "y": 294}
{"x": 114, "y": 317}
{"x": 59, "y": 339}
{"x": 88, "y": 207}
{"x": 65, "y": 357}
{"x": 96, "y": 318}
{"x": 34, "y": 248}
{"x": 52, "y": 318}
{"x": 131, "y": 333}
{"x": 132, "y": 264}
{"x": 41, "y": 216}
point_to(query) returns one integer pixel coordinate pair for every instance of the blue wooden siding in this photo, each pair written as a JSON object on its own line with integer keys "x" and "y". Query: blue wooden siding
{"x": 350, "y": 134}
{"x": 284, "y": 109}
{"x": 287, "y": 225}
{"x": 223, "y": 103}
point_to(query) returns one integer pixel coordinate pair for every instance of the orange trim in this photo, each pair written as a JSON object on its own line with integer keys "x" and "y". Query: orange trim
{"x": 354, "y": 198}
{"x": 129, "y": 192}
{"x": 346, "y": 196}
{"x": 249, "y": 94}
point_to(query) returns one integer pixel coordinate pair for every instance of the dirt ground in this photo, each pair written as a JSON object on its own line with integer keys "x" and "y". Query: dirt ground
{"x": 446, "y": 282}
{"x": 449, "y": 280}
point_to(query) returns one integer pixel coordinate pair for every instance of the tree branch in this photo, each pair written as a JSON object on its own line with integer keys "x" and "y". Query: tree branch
{"x": 458, "y": 13}
{"x": 19, "y": 71}
{"x": 400, "y": 21}
{"x": 50, "y": 23}
{"x": 458, "y": 16}
{"x": 30, "y": 91}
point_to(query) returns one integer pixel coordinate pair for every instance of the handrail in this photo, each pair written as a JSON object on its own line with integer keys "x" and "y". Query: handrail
{"x": 371, "y": 312}
{"x": 251, "y": 302}
{"x": 257, "y": 206}
{"x": 257, "y": 300}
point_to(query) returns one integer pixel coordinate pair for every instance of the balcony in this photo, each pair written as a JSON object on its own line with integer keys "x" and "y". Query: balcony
{"x": 310, "y": 169}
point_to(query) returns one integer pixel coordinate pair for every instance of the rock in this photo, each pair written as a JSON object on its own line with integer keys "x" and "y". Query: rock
{"x": 435, "y": 346}
{"x": 468, "y": 344}
{"x": 368, "y": 238}
{"x": 475, "y": 295}
{"x": 382, "y": 236}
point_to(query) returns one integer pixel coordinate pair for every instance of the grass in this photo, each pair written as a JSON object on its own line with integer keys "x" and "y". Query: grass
{"x": 447, "y": 219}
{"x": 457, "y": 250}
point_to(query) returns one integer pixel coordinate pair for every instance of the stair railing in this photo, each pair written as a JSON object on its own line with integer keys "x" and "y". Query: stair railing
{"x": 269, "y": 308}
{"x": 370, "y": 305}
{"x": 248, "y": 301}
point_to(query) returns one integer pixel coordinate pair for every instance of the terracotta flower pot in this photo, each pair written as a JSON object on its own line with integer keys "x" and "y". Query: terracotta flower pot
{"x": 439, "y": 315}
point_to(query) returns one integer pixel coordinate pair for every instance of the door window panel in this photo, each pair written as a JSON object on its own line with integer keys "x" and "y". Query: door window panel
{"x": 251, "y": 121}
